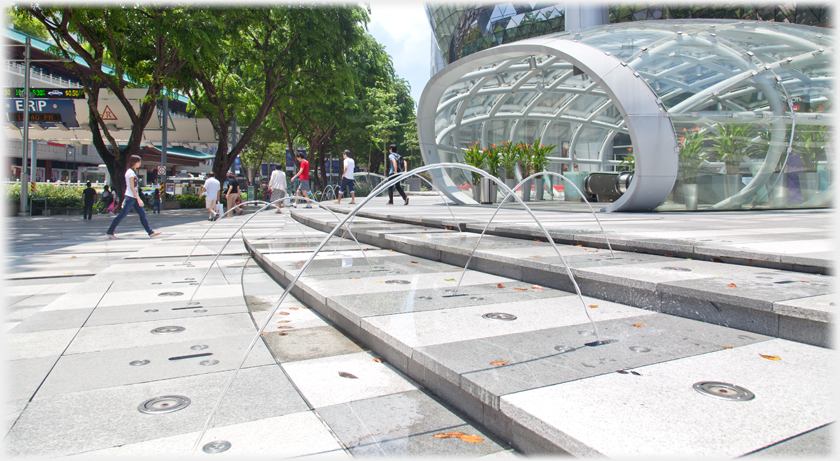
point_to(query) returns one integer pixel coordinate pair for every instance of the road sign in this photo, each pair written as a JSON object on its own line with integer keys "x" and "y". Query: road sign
{"x": 32, "y": 187}
{"x": 161, "y": 169}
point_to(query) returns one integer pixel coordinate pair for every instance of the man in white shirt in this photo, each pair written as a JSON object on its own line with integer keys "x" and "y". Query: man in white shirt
{"x": 347, "y": 179}
{"x": 211, "y": 187}
{"x": 277, "y": 184}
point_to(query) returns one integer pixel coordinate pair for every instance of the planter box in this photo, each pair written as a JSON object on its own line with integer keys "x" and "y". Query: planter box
{"x": 171, "y": 205}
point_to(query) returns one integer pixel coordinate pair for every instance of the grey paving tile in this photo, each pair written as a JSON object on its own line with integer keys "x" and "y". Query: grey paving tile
{"x": 202, "y": 306}
{"x": 394, "y": 416}
{"x": 38, "y": 344}
{"x": 428, "y": 445}
{"x": 533, "y": 359}
{"x": 25, "y": 376}
{"x": 54, "y": 426}
{"x": 53, "y": 320}
{"x": 307, "y": 343}
{"x": 13, "y": 409}
{"x": 816, "y": 443}
{"x": 72, "y": 373}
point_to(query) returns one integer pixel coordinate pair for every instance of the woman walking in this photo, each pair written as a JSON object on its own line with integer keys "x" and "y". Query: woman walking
{"x": 132, "y": 200}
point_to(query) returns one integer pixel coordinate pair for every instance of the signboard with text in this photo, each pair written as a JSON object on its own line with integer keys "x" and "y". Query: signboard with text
{"x": 44, "y": 111}
{"x": 46, "y": 93}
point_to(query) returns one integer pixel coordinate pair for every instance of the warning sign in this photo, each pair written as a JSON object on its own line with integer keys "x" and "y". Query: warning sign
{"x": 108, "y": 114}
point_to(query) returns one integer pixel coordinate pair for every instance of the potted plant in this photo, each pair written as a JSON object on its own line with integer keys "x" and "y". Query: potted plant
{"x": 508, "y": 157}
{"x": 691, "y": 159}
{"x": 477, "y": 157}
{"x": 539, "y": 158}
{"x": 775, "y": 189}
{"x": 730, "y": 145}
{"x": 809, "y": 143}
{"x": 494, "y": 162}
{"x": 525, "y": 157}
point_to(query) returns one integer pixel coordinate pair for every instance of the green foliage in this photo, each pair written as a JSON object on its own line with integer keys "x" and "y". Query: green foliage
{"x": 477, "y": 157}
{"x": 539, "y": 156}
{"x": 732, "y": 143}
{"x": 509, "y": 156}
{"x": 23, "y": 22}
{"x": 190, "y": 201}
{"x": 526, "y": 156}
{"x": 809, "y": 143}
{"x": 494, "y": 160}
{"x": 691, "y": 156}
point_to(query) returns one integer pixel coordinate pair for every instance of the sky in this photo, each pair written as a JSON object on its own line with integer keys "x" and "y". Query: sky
{"x": 403, "y": 29}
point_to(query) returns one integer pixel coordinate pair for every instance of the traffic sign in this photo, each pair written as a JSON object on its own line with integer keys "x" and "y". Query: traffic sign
{"x": 161, "y": 169}
{"x": 32, "y": 187}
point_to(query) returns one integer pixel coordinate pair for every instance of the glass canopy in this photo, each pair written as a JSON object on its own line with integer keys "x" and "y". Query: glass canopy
{"x": 705, "y": 108}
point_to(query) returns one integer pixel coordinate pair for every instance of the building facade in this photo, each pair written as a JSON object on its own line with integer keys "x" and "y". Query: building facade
{"x": 714, "y": 113}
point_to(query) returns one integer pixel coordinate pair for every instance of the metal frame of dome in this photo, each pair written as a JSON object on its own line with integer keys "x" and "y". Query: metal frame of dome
{"x": 749, "y": 70}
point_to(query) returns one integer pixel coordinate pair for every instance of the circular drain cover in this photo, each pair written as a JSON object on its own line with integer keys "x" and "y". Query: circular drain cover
{"x": 218, "y": 446}
{"x": 199, "y": 347}
{"x": 165, "y": 330}
{"x": 150, "y": 310}
{"x": 164, "y": 404}
{"x": 424, "y": 297}
{"x": 138, "y": 363}
{"x": 499, "y": 316}
{"x": 399, "y": 282}
{"x": 171, "y": 293}
{"x": 208, "y": 362}
{"x": 477, "y": 298}
{"x": 724, "y": 391}
{"x": 639, "y": 349}
{"x": 681, "y": 269}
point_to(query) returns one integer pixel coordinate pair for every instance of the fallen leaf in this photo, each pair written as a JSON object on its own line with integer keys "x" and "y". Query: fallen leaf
{"x": 636, "y": 373}
{"x": 470, "y": 438}
{"x": 283, "y": 326}
{"x": 425, "y": 229}
{"x": 424, "y": 238}
{"x": 354, "y": 278}
{"x": 380, "y": 281}
{"x": 800, "y": 281}
{"x": 537, "y": 287}
{"x": 727, "y": 347}
{"x": 770, "y": 357}
{"x": 535, "y": 256}
{"x": 262, "y": 333}
{"x": 283, "y": 321}
{"x": 621, "y": 371}
{"x": 593, "y": 306}
{"x": 447, "y": 435}
{"x": 293, "y": 308}
{"x": 391, "y": 251}
{"x": 344, "y": 374}
{"x": 377, "y": 360}
{"x": 537, "y": 240}
{"x": 498, "y": 363}
{"x": 520, "y": 289}
{"x": 450, "y": 280}
{"x": 304, "y": 307}
{"x": 732, "y": 285}
{"x": 413, "y": 262}
{"x": 500, "y": 285}
{"x": 284, "y": 313}
{"x": 832, "y": 304}
{"x": 280, "y": 333}
{"x": 72, "y": 257}
{"x": 638, "y": 325}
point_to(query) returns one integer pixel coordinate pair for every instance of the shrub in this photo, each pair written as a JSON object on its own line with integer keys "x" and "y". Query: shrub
{"x": 189, "y": 201}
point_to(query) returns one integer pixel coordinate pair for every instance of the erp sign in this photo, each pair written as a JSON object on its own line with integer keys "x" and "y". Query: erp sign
{"x": 65, "y": 108}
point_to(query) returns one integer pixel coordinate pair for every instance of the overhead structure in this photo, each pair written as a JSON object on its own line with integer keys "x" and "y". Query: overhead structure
{"x": 607, "y": 92}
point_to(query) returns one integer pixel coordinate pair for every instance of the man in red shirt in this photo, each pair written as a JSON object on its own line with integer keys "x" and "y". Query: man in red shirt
{"x": 303, "y": 173}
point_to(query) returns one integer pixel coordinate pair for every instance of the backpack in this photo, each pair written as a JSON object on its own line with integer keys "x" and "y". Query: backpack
{"x": 399, "y": 160}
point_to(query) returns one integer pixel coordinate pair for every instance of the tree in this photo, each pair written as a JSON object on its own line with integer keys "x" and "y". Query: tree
{"x": 139, "y": 42}
{"x": 265, "y": 146}
{"x": 254, "y": 58}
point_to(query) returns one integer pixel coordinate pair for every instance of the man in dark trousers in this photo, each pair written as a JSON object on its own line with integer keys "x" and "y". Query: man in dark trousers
{"x": 88, "y": 196}
{"x": 397, "y": 165}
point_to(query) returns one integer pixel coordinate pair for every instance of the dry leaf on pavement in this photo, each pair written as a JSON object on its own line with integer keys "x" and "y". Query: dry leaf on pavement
{"x": 732, "y": 285}
{"x": 344, "y": 374}
{"x": 537, "y": 287}
{"x": 284, "y": 313}
{"x": 377, "y": 360}
{"x": 498, "y": 363}
{"x": 520, "y": 289}
{"x": 770, "y": 357}
{"x": 593, "y": 306}
{"x": 638, "y": 325}
{"x": 727, "y": 347}
{"x": 500, "y": 285}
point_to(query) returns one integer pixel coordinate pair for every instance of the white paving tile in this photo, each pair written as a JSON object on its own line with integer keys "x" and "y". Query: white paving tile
{"x": 293, "y": 435}
{"x": 660, "y": 414}
{"x": 320, "y": 383}
{"x": 37, "y": 344}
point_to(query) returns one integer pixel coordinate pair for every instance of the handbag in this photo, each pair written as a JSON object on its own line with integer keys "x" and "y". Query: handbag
{"x": 111, "y": 207}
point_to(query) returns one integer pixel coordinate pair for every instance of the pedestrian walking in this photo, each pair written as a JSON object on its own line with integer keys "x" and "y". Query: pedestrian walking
{"x": 397, "y": 165}
{"x": 231, "y": 193}
{"x": 88, "y": 197}
{"x": 277, "y": 185}
{"x": 211, "y": 188}
{"x": 156, "y": 200}
{"x": 347, "y": 179}
{"x": 131, "y": 200}
{"x": 303, "y": 174}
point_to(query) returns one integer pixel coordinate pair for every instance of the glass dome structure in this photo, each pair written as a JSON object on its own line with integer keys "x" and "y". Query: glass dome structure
{"x": 715, "y": 114}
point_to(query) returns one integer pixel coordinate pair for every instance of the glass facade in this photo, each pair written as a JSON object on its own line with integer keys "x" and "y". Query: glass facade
{"x": 746, "y": 108}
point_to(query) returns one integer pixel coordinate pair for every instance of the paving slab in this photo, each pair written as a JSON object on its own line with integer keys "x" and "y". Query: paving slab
{"x": 308, "y": 343}
{"x": 321, "y": 384}
{"x": 257, "y": 393}
{"x": 640, "y": 422}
